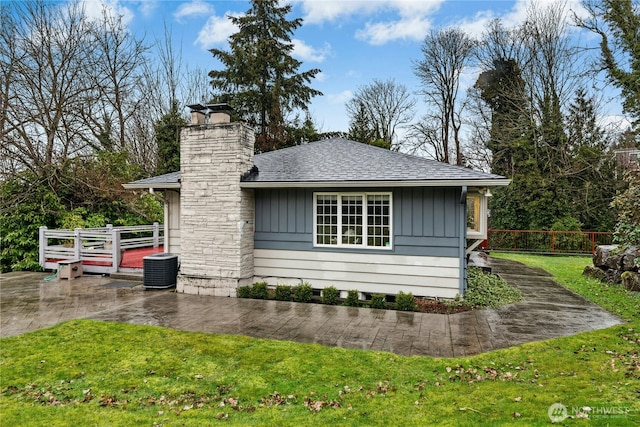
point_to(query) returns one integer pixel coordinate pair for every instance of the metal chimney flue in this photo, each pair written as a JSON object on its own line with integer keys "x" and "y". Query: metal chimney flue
{"x": 219, "y": 113}
{"x": 210, "y": 113}
{"x": 197, "y": 114}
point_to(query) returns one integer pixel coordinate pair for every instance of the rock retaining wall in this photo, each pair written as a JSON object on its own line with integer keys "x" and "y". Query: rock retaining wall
{"x": 612, "y": 265}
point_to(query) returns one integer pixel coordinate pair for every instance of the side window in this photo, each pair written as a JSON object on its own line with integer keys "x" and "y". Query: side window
{"x": 353, "y": 219}
{"x": 473, "y": 213}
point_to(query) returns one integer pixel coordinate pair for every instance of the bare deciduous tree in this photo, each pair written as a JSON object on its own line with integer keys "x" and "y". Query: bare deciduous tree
{"x": 446, "y": 55}
{"x": 118, "y": 57}
{"x": 386, "y": 106}
{"x": 46, "y": 55}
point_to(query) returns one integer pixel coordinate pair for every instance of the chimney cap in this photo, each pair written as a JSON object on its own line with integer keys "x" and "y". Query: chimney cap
{"x": 196, "y": 107}
{"x": 220, "y": 108}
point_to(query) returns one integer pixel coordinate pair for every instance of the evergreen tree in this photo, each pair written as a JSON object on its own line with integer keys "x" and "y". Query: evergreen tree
{"x": 167, "y": 132}
{"x": 360, "y": 128}
{"x": 620, "y": 46}
{"x": 260, "y": 78}
{"x": 589, "y": 165}
{"x": 302, "y": 131}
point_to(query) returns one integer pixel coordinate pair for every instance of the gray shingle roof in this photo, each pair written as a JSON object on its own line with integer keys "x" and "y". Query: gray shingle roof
{"x": 168, "y": 180}
{"x": 338, "y": 161}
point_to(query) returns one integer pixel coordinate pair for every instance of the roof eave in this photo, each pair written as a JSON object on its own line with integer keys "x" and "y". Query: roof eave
{"x": 156, "y": 186}
{"x": 497, "y": 182}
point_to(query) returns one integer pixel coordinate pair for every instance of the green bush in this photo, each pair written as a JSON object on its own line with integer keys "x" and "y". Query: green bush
{"x": 353, "y": 299}
{"x": 488, "y": 290}
{"x": 378, "y": 301}
{"x": 567, "y": 242}
{"x": 283, "y": 293}
{"x": 627, "y": 206}
{"x": 244, "y": 292}
{"x": 330, "y": 295}
{"x": 302, "y": 293}
{"x": 405, "y": 302}
{"x": 259, "y": 290}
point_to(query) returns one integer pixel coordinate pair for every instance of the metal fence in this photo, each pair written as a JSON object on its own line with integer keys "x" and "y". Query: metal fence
{"x": 99, "y": 249}
{"x": 547, "y": 242}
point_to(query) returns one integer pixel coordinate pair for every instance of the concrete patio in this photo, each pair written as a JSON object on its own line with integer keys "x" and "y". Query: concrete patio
{"x": 28, "y": 303}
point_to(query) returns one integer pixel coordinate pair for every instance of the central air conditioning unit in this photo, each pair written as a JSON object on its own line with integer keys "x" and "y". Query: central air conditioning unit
{"x": 160, "y": 271}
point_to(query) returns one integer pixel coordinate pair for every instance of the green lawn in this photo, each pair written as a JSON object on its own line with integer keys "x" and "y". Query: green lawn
{"x": 93, "y": 373}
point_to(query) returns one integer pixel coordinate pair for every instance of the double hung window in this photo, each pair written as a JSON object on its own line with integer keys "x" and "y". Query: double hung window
{"x": 353, "y": 219}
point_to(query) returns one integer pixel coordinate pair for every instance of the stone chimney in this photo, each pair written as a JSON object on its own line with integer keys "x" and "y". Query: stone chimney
{"x": 217, "y": 216}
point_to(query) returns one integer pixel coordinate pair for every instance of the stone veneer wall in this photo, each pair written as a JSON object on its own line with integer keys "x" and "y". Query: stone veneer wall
{"x": 217, "y": 217}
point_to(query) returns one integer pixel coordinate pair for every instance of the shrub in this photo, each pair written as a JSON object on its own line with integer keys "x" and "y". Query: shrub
{"x": 405, "y": 302}
{"x": 378, "y": 301}
{"x": 283, "y": 293}
{"x": 567, "y": 242}
{"x": 353, "y": 299}
{"x": 627, "y": 205}
{"x": 302, "y": 293}
{"x": 330, "y": 295}
{"x": 244, "y": 292}
{"x": 259, "y": 290}
{"x": 488, "y": 290}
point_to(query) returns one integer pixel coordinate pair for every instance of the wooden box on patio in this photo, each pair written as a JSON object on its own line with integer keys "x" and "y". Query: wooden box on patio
{"x": 70, "y": 269}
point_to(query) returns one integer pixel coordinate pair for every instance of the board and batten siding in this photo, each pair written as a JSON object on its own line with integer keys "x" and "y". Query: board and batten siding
{"x": 424, "y": 258}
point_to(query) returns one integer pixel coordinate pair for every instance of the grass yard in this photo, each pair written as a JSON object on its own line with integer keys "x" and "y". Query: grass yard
{"x": 93, "y": 373}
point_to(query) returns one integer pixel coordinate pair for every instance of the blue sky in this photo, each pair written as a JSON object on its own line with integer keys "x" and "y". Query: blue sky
{"x": 352, "y": 42}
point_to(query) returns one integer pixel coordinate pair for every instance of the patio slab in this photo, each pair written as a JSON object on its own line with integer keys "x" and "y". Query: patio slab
{"x": 28, "y": 303}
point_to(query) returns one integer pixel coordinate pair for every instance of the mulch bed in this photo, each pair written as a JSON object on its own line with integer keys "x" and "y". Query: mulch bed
{"x": 439, "y": 307}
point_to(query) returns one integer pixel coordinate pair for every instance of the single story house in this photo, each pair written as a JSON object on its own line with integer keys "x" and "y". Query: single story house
{"x": 331, "y": 213}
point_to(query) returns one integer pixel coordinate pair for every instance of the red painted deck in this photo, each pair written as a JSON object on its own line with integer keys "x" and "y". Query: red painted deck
{"x": 132, "y": 258}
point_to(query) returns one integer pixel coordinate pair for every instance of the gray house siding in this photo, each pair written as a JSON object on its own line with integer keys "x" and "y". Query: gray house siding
{"x": 425, "y": 221}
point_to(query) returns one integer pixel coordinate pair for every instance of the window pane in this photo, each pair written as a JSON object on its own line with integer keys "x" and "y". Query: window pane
{"x": 378, "y": 216}
{"x": 351, "y": 220}
{"x": 473, "y": 213}
{"x": 326, "y": 214}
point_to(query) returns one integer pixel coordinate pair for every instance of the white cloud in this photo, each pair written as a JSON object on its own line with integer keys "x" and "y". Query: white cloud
{"x": 318, "y": 12}
{"x": 614, "y": 122}
{"x": 147, "y": 7}
{"x": 404, "y": 29}
{"x": 196, "y": 7}
{"x": 309, "y": 53}
{"x": 215, "y": 31}
{"x": 412, "y": 17}
{"x": 94, "y": 10}
{"x": 321, "y": 77}
{"x": 477, "y": 25}
{"x": 340, "y": 98}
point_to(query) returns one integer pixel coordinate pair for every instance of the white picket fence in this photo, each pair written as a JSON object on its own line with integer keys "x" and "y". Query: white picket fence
{"x": 99, "y": 249}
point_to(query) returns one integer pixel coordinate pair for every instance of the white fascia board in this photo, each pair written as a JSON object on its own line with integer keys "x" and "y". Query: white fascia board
{"x": 159, "y": 187}
{"x": 353, "y": 184}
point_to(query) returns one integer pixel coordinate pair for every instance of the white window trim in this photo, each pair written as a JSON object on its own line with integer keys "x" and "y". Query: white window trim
{"x": 365, "y": 223}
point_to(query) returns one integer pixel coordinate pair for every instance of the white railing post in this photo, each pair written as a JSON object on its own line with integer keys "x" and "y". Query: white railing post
{"x": 156, "y": 234}
{"x": 43, "y": 246}
{"x": 107, "y": 233}
{"x": 115, "y": 249}
{"x": 77, "y": 243}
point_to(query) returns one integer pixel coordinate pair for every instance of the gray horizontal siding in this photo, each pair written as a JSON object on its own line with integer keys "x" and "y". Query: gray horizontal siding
{"x": 424, "y": 221}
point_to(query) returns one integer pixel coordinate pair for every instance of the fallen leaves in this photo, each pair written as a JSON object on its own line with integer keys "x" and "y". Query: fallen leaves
{"x": 316, "y": 405}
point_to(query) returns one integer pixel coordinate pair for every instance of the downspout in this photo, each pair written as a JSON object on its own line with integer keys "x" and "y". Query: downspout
{"x": 462, "y": 250}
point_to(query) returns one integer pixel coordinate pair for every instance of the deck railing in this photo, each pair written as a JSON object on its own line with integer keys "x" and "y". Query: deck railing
{"x": 99, "y": 249}
{"x": 547, "y": 242}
